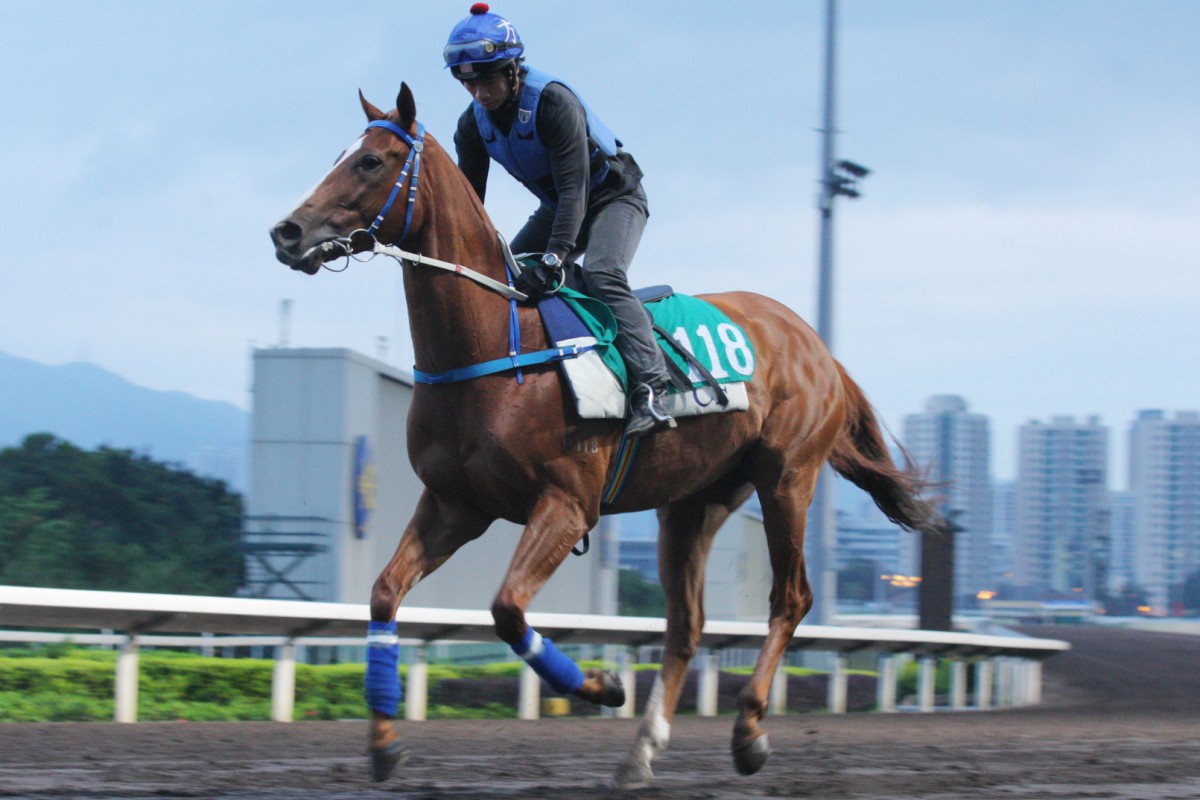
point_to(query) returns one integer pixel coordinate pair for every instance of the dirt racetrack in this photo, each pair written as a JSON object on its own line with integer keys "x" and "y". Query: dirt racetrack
{"x": 1121, "y": 719}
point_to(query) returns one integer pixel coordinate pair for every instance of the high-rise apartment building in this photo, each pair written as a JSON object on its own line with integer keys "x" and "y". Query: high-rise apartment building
{"x": 952, "y": 447}
{"x": 1121, "y": 542}
{"x": 1164, "y": 479}
{"x": 1062, "y": 508}
{"x": 1004, "y": 523}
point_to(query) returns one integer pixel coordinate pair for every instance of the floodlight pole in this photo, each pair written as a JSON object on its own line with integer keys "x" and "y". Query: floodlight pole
{"x": 821, "y": 541}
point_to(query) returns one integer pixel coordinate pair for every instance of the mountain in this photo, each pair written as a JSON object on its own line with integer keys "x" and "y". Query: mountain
{"x": 90, "y": 406}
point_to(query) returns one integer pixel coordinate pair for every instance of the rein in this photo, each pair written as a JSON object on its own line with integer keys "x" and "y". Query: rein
{"x": 416, "y": 258}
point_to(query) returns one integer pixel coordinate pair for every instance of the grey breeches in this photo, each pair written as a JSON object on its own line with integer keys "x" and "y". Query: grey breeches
{"x": 609, "y": 238}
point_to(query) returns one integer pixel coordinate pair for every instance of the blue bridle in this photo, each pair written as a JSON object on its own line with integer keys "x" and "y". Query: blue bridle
{"x": 415, "y": 145}
{"x": 515, "y": 359}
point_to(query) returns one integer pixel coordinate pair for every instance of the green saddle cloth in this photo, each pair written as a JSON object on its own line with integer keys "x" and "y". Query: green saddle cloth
{"x": 706, "y": 331}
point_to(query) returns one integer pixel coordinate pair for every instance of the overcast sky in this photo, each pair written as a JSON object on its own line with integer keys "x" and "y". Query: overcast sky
{"x": 1029, "y": 237}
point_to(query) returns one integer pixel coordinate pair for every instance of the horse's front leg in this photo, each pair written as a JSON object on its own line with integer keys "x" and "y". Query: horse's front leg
{"x": 437, "y": 530}
{"x": 555, "y": 525}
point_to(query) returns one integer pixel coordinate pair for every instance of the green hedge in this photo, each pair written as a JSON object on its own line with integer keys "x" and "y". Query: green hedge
{"x": 62, "y": 683}
{"x": 910, "y": 676}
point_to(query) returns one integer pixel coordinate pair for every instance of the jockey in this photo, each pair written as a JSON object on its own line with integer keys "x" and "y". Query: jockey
{"x": 590, "y": 190}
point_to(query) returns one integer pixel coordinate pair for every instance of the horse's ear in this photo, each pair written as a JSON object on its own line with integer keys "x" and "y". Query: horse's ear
{"x": 371, "y": 111}
{"x": 406, "y": 106}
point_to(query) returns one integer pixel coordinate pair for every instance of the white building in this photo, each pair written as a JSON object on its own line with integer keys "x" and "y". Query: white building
{"x": 953, "y": 447}
{"x": 1164, "y": 478}
{"x": 1062, "y": 517}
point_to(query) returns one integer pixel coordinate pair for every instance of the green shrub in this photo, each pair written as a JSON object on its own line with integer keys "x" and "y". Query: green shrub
{"x": 69, "y": 683}
{"x": 328, "y": 686}
{"x": 910, "y": 676}
{"x": 221, "y": 681}
{"x": 67, "y": 676}
{"x": 52, "y": 707}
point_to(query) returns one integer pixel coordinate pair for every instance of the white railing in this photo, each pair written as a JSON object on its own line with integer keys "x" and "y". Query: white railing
{"x": 1007, "y": 668}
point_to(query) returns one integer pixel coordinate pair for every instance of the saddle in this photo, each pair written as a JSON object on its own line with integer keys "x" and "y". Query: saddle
{"x": 700, "y": 383}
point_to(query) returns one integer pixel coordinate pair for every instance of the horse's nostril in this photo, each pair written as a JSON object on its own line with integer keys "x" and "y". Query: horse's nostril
{"x": 287, "y": 233}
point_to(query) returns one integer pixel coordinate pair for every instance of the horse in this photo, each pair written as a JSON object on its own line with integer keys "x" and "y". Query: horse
{"x": 494, "y": 447}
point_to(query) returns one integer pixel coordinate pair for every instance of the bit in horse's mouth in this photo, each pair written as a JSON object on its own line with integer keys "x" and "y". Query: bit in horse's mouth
{"x": 313, "y": 258}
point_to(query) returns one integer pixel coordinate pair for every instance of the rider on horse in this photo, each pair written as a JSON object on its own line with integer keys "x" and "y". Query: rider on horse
{"x": 591, "y": 195}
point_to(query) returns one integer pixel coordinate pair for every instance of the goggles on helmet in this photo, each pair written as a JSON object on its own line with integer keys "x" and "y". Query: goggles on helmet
{"x": 480, "y": 71}
{"x": 478, "y": 51}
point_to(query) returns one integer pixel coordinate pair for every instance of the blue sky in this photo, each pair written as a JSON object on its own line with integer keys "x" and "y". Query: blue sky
{"x": 1029, "y": 237}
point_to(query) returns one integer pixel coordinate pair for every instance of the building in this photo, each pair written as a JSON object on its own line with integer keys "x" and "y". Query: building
{"x": 1004, "y": 522}
{"x": 1121, "y": 542}
{"x": 639, "y": 543}
{"x": 737, "y": 576}
{"x": 1164, "y": 479}
{"x": 864, "y": 534}
{"x": 1062, "y": 512}
{"x": 952, "y": 446}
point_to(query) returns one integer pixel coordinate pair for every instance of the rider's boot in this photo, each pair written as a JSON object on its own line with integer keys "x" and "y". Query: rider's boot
{"x": 648, "y": 410}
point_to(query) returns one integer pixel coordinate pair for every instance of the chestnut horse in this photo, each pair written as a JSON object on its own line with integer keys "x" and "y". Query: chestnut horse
{"x": 493, "y": 448}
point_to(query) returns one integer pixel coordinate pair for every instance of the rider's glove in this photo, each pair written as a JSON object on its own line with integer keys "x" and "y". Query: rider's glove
{"x": 542, "y": 278}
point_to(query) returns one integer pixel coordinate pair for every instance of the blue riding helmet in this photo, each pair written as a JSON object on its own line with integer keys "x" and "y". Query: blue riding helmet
{"x": 481, "y": 44}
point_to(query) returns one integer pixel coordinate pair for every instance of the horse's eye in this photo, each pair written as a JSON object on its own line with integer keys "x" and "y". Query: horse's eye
{"x": 370, "y": 163}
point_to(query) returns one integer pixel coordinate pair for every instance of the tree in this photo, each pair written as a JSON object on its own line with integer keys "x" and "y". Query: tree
{"x": 110, "y": 519}
{"x": 638, "y": 597}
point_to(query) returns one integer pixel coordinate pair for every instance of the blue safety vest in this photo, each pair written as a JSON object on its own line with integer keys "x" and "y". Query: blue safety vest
{"x": 522, "y": 153}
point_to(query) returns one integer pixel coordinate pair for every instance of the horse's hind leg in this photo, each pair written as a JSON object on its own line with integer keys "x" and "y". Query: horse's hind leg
{"x": 686, "y": 531}
{"x": 785, "y": 508}
{"x": 437, "y": 530}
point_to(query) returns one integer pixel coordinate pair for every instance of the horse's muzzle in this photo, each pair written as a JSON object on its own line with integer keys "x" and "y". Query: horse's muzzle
{"x": 289, "y": 239}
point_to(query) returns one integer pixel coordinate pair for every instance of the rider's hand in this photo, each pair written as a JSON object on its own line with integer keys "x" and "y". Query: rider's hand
{"x": 541, "y": 279}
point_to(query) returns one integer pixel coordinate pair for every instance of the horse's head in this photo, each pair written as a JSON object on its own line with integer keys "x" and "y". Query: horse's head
{"x": 356, "y": 190}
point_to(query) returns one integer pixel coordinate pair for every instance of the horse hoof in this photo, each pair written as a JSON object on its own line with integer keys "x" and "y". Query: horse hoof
{"x": 612, "y": 693}
{"x": 749, "y": 758}
{"x": 386, "y": 759}
{"x": 632, "y": 776}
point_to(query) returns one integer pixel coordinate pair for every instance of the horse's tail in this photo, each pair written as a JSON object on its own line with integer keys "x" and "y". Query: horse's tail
{"x": 861, "y": 455}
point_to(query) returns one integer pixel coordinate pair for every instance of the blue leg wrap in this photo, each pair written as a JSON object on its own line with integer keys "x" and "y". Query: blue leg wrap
{"x": 383, "y": 669}
{"x": 563, "y": 674}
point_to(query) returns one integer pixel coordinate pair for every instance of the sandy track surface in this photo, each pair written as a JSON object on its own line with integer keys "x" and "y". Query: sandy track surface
{"x": 1121, "y": 719}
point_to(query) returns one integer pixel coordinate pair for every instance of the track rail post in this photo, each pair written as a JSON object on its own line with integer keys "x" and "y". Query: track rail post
{"x": 416, "y": 690}
{"x": 283, "y": 683}
{"x": 125, "y": 699}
